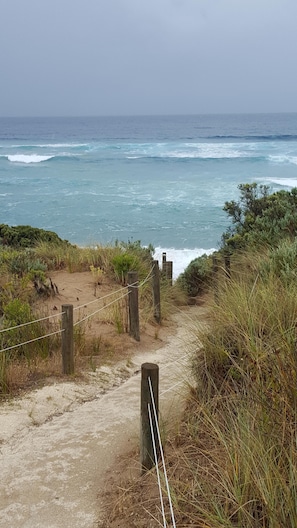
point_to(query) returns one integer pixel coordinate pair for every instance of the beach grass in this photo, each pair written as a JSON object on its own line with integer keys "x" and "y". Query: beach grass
{"x": 233, "y": 461}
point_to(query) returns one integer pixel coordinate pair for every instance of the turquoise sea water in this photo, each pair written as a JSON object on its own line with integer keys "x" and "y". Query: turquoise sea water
{"x": 161, "y": 180}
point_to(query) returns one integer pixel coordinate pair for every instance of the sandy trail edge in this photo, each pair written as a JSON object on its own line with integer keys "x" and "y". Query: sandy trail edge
{"x": 57, "y": 443}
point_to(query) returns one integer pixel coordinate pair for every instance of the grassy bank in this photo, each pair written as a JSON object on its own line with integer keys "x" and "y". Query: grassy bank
{"x": 233, "y": 463}
{"x": 239, "y": 436}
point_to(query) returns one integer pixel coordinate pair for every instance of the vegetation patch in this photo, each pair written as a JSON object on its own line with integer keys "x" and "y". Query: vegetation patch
{"x": 233, "y": 463}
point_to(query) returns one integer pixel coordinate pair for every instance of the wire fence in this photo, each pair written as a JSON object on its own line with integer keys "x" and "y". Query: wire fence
{"x": 136, "y": 284}
{"x": 30, "y": 322}
{"x": 31, "y": 340}
{"x": 60, "y": 314}
{"x": 101, "y": 309}
{"x": 156, "y": 422}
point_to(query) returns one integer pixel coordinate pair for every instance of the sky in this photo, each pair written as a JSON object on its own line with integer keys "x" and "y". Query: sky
{"x": 136, "y": 57}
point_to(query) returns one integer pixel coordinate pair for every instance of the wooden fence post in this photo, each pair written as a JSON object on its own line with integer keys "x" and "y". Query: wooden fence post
{"x": 133, "y": 305}
{"x": 147, "y": 458}
{"x": 164, "y": 263}
{"x": 169, "y": 271}
{"x": 156, "y": 292}
{"x": 67, "y": 339}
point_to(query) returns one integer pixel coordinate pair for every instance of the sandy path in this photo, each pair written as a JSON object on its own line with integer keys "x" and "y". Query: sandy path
{"x": 57, "y": 443}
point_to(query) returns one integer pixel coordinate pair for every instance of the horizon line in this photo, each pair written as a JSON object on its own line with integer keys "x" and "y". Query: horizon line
{"x": 84, "y": 116}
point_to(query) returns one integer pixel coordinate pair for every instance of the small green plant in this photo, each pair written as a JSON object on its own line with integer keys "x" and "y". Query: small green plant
{"x": 118, "y": 318}
{"x": 122, "y": 264}
{"x": 197, "y": 276}
{"x": 80, "y": 339}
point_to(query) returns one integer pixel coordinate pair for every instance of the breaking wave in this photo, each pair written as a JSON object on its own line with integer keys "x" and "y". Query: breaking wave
{"x": 27, "y": 158}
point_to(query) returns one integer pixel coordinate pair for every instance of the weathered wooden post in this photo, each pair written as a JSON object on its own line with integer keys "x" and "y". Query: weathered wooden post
{"x": 133, "y": 305}
{"x": 169, "y": 271}
{"x": 156, "y": 292}
{"x": 164, "y": 263}
{"x": 149, "y": 383}
{"x": 67, "y": 339}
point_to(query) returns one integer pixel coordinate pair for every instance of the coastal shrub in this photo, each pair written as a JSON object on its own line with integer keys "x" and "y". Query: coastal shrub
{"x": 124, "y": 263}
{"x": 281, "y": 262}
{"x": 15, "y": 313}
{"x": 260, "y": 218}
{"x": 135, "y": 247}
{"x": 24, "y": 262}
{"x": 27, "y": 236}
{"x": 197, "y": 276}
{"x": 132, "y": 257}
{"x": 13, "y": 287}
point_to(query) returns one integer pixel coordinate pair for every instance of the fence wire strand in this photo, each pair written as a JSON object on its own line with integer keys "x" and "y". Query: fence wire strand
{"x": 101, "y": 309}
{"x": 148, "y": 277}
{"x": 157, "y": 465}
{"x": 98, "y": 299}
{"x": 32, "y": 340}
{"x": 31, "y": 322}
{"x": 162, "y": 452}
{"x": 172, "y": 387}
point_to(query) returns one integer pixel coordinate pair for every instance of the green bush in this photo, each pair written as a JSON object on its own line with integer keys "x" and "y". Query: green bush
{"x": 131, "y": 257}
{"x": 16, "y": 312}
{"x": 281, "y": 262}
{"x": 26, "y": 236}
{"x": 122, "y": 264}
{"x": 197, "y": 276}
{"x": 24, "y": 262}
{"x": 259, "y": 218}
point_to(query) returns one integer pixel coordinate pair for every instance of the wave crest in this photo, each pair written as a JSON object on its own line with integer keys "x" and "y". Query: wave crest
{"x": 27, "y": 158}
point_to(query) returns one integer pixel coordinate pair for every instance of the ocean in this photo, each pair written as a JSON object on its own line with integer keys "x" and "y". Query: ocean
{"x": 162, "y": 180}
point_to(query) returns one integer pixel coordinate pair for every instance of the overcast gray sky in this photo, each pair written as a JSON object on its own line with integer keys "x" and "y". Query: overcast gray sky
{"x": 128, "y": 57}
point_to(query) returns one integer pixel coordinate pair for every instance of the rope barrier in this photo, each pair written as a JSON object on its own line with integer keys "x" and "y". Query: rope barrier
{"x": 98, "y": 299}
{"x": 133, "y": 285}
{"x": 157, "y": 465}
{"x": 32, "y": 340}
{"x": 173, "y": 386}
{"x": 175, "y": 361}
{"x": 31, "y": 322}
{"x": 101, "y": 309}
{"x": 148, "y": 277}
{"x": 162, "y": 452}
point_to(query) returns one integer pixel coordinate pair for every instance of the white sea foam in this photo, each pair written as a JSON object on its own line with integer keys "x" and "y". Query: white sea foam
{"x": 180, "y": 257}
{"x": 212, "y": 151}
{"x": 283, "y": 159}
{"x": 50, "y": 145}
{"x": 193, "y": 151}
{"x": 284, "y": 182}
{"x": 27, "y": 158}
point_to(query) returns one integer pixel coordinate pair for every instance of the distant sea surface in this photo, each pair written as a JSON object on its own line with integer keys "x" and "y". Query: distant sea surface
{"x": 162, "y": 180}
